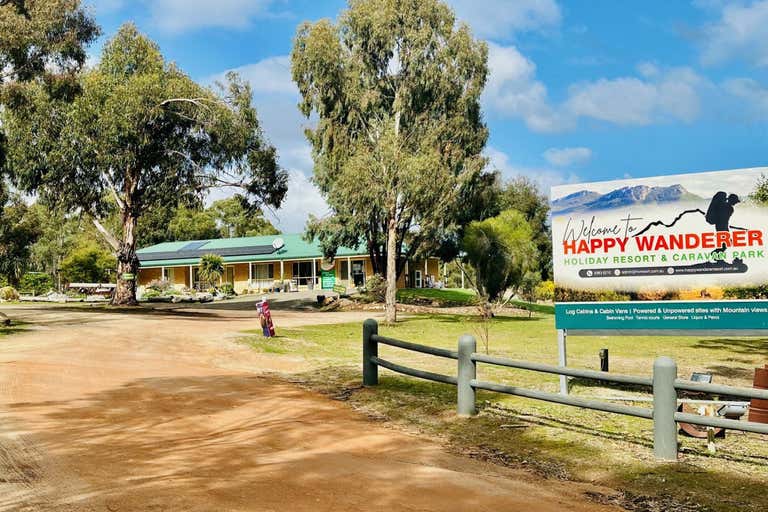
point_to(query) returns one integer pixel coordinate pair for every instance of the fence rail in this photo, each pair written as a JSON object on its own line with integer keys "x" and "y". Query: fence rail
{"x": 424, "y": 349}
{"x": 664, "y": 385}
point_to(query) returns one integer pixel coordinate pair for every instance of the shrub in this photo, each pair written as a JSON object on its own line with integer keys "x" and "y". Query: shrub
{"x": 376, "y": 288}
{"x": 9, "y": 293}
{"x": 545, "y": 291}
{"x": 151, "y": 293}
{"x": 227, "y": 289}
{"x": 656, "y": 294}
{"x": 528, "y": 285}
{"x": 36, "y": 282}
{"x": 158, "y": 285}
{"x": 571, "y": 295}
{"x": 88, "y": 264}
{"x": 754, "y": 292}
{"x": 164, "y": 287}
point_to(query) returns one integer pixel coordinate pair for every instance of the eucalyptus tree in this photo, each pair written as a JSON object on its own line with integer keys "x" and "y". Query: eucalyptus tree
{"x": 395, "y": 87}
{"x": 142, "y": 134}
{"x": 43, "y": 41}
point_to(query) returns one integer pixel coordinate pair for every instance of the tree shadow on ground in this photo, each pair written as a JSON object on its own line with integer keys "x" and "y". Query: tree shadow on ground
{"x": 231, "y": 442}
{"x": 749, "y": 346}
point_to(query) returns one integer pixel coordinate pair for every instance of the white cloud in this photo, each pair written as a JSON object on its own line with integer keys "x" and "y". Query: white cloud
{"x": 670, "y": 96}
{"x": 648, "y": 69}
{"x": 176, "y": 16}
{"x": 565, "y": 157}
{"x": 741, "y": 31}
{"x": 275, "y": 97}
{"x": 544, "y": 177}
{"x": 513, "y": 90}
{"x": 500, "y": 19}
{"x": 752, "y": 97}
{"x": 303, "y": 199}
{"x": 270, "y": 75}
{"x": 658, "y": 95}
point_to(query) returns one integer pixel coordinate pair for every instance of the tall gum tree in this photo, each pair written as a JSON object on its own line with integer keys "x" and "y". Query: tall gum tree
{"x": 395, "y": 87}
{"x": 140, "y": 135}
{"x": 42, "y": 42}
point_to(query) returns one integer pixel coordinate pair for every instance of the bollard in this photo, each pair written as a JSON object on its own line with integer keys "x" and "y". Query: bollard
{"x": 664, "y": 408}
{"x": 370, "y": 349}
{"x": 604, "y": 363}
{"x": 466, "y": 394}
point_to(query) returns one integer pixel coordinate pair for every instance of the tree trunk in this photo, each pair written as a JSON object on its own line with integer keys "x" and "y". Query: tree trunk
{"x": 391, "y": 296}
{"x": 127, "y": 264}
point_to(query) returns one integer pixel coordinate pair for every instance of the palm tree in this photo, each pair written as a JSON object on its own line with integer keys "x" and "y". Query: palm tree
{"x": 211, "y": 268}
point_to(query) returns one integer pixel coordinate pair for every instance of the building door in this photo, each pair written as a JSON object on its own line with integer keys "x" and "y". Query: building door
{"x": 358, "y": 273}
{"x": 417, "y": 279}
{"x": 230, "y": 276}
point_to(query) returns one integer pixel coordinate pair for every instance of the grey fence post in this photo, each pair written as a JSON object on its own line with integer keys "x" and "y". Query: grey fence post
{"x": 664, "y": 408}
{"x": 466, "y": 394}
{"x": 370, "y": 349}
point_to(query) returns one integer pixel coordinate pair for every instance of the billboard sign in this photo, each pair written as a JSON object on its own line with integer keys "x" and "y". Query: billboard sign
{"x": 669, "y": 252}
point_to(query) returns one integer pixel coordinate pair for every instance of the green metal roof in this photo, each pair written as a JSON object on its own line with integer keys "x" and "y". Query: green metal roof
{"x": 295, "y": 248}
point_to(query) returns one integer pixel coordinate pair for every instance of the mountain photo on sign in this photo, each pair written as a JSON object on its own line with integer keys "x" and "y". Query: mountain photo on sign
{"x": 684, "y": 237}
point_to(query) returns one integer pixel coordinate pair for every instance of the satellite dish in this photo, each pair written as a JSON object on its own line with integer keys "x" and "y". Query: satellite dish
{"x": 278, "y": 243}
{"x": 327, "y": 264}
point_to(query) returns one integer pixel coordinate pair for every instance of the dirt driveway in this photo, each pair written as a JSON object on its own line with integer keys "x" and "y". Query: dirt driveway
{"x": 164, "y": 412}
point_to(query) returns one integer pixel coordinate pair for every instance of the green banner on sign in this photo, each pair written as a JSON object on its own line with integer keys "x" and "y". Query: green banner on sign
{"x": 687, "y": 315}
{"x": 327, "y": 279}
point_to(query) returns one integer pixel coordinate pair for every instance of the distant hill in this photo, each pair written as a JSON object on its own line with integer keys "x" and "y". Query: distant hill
{"x": 626, "y": 196}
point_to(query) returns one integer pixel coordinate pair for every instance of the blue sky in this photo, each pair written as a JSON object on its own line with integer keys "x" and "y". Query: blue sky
{"x": 580, "y": 90}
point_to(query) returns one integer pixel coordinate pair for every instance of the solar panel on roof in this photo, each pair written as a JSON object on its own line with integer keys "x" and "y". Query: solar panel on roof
{"x": 184, "y": 253}
{"x": 193, "y": 246}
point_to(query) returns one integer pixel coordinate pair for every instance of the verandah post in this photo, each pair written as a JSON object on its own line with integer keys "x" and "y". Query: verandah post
{"x": 466, "y": 394}
{"x": 370, "y": 349}
{"x": 664, "y": 408}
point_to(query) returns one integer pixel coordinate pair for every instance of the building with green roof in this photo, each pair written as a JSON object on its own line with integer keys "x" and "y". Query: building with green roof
{"x": 265, "y": 263}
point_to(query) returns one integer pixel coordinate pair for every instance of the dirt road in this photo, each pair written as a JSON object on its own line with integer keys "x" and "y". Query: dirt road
{"x": 164, "y": 412}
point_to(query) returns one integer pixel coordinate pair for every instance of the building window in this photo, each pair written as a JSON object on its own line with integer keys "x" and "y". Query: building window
{"x": 263, "y": 271}
{"x": 358, "y": 273}
{"x": 302, "y": 272}
{"x": 344, "y": 270}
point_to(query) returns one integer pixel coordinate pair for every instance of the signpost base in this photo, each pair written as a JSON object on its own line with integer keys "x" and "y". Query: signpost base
{"x": 562, "y": 358}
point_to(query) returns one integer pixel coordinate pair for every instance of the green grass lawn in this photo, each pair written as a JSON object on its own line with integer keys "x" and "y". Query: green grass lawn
{"x": 557, "y": 441}
{"x": 7, "y": 331}
{"x": 445, "y": 297}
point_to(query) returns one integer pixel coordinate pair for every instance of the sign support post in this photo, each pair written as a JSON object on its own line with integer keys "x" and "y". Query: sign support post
{"x": 562, "y": 358}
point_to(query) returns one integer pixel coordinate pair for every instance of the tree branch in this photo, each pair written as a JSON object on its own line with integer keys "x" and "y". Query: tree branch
{"x": 109, "y": 237}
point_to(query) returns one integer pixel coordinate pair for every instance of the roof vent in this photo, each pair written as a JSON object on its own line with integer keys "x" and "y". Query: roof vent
{"x": 278, "y": 244}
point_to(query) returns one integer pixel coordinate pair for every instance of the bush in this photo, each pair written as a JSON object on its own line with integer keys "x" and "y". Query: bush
{"x": 88, "y": 264}
{"x": 570, "y": 295}
{"x": 227, "y": 289}
{"x": 545, "y": 291}
{"x": 151, "y": 293}
{"x": 9, "y": 293}
{"x": 376, "y": 288}
{"x": 160, "y": 286}
{"x": 528, "y": 285}
{"x": 36, "y": 282}
{"x": 754, "y": 292}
